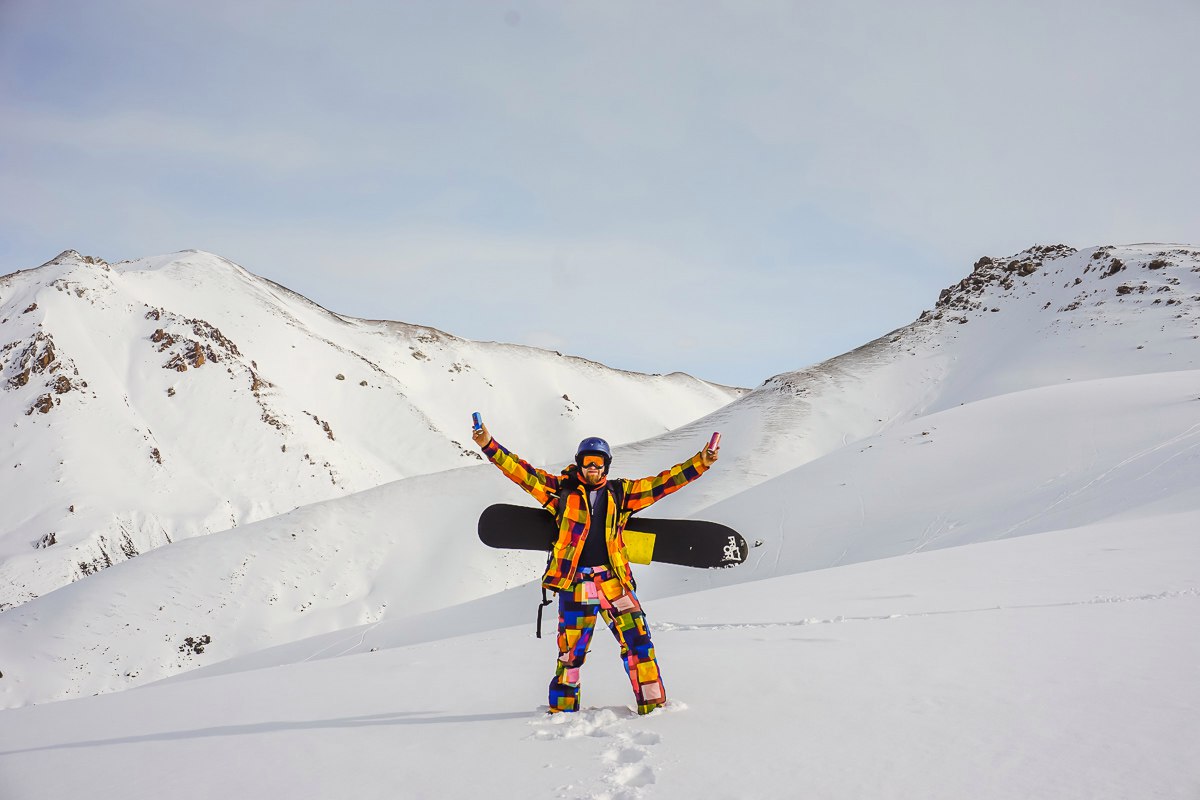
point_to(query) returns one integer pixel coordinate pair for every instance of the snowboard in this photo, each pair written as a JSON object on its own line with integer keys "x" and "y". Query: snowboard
{"x": 687, "y": 542}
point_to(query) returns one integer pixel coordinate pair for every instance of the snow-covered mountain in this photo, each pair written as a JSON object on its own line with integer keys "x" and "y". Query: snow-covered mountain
{"x": 822, "y": 466}
{"x": 882, "y": 640}
{"x": 154, "y": 400}
{"x": 1046, "y": 316}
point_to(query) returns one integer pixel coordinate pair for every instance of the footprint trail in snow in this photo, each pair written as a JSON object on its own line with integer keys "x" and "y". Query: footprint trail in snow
{"x": 627, "y": 755}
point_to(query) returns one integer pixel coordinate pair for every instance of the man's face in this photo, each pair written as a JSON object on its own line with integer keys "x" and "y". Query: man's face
{"x": 592, "y": 469}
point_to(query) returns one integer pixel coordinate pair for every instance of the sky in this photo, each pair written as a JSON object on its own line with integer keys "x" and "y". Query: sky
{"x": 730, "y": 189}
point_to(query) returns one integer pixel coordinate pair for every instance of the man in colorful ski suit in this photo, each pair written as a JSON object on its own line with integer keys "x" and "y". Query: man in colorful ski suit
{"x": 589, "y": 565}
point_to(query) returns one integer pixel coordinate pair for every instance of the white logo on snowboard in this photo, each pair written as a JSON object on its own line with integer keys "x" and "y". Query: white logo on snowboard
{"x": 732, "y": 551}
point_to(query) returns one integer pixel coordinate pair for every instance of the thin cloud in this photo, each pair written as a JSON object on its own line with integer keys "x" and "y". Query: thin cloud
{"x": 156, "y": 135}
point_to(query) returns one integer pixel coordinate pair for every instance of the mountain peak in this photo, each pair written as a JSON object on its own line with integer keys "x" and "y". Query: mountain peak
{"x": 73, "y": 257}
{"x": 999, "y": 272}
{"x": 206, "y": 383}
{"x": 1068, "y": 279}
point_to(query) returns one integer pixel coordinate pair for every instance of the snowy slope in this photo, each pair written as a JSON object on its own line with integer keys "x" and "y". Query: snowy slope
{"x": 977, "y": 578}
{"x": 1057, "y": 665}
{"x": 1014, "y": 465}
{"x": 883, "y": 451}
{"x": 1045, "y": 316}
{"x": 155, "y": 400}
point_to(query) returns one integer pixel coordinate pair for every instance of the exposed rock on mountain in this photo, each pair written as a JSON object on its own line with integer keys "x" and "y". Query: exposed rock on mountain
{"x": 181, "y": 395}
{"x": 901, "y": 445}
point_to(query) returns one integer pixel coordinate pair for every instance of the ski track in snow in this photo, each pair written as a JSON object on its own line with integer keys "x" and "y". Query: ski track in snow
{"x": 937, "y": 528}
{"x": 729, "y": 626}
{"x": 1149, "y": 451}
{"x": 627, "y": 757}
{"x": 359, "y": 641}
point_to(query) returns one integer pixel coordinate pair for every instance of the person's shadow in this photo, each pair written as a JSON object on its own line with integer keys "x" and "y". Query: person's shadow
{"x": 392, "y": 718}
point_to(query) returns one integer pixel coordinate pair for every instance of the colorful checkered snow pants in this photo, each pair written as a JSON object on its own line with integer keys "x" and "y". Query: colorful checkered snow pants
{"x": 597, "y": 590}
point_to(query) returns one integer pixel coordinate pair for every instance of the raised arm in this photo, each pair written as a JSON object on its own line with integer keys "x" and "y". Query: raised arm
{"x": 541, "y": 485}
{"x": 645, "y": 492}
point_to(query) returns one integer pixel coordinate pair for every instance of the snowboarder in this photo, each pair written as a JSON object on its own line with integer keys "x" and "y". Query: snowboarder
{"x": 588, "y": 565}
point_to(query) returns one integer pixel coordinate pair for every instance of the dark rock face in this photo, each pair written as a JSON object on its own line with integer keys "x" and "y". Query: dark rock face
{"x": 964, "y": 295}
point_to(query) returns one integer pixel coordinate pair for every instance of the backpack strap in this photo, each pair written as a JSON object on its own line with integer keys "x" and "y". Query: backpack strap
{"x": 617, "y": 490}
{"x": 565, "y": 487}
{"x": 618, "y": 496}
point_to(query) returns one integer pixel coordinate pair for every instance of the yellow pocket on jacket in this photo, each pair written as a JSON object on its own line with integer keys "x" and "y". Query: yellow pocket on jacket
{"x": 639, "y": 546}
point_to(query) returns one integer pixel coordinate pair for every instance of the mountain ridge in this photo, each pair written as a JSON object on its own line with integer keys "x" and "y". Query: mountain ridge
{"x": 206, "y": 384}
{"x": 797, "y": 452}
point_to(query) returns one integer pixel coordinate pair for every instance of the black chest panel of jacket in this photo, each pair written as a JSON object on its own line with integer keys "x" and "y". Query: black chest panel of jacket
{"x": 595, "y": 551}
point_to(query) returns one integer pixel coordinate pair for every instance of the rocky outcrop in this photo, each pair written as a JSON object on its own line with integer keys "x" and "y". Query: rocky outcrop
{"x": 209, "y": 345}
{"x": 23, "y": 362}
{"x": 36, "y": 358}
{"x": 1003, "y": 273}
{"x": 1032, "y": 269}
{"x": 103, "y": 552}
{"x": 194, "y": 645}
{"x": 73, "y": 257}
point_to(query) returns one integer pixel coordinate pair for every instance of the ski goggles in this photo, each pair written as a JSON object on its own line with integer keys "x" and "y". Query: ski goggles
{"x": 592, "y": 461}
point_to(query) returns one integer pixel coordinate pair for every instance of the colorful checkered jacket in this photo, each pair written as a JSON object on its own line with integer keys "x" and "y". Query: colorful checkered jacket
{"x": 576, "y": 517}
